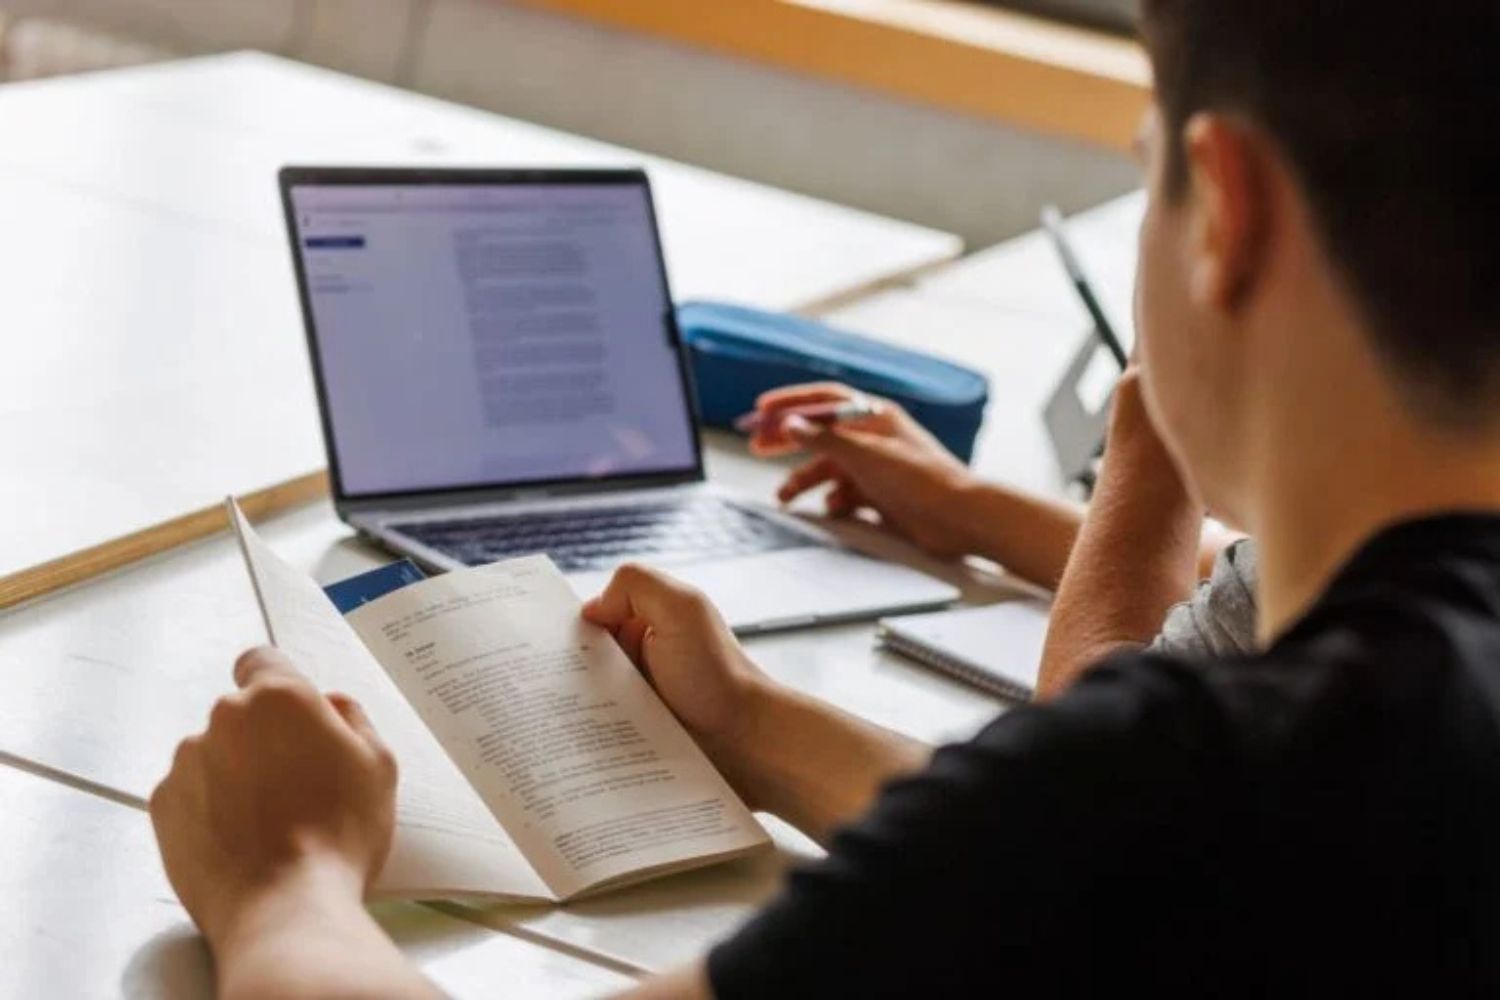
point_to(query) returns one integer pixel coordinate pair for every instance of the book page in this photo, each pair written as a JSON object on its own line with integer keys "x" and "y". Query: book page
{"x": 553, "y": 725}
{"x": 447, "y": 842}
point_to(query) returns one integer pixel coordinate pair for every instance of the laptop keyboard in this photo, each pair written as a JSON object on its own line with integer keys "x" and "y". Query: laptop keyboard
{"x": 602, "y": 537}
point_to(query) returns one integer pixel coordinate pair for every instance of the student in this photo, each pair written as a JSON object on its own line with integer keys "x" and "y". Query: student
{"x": 1320, "y": 363}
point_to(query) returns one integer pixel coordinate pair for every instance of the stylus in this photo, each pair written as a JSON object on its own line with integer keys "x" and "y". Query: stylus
{"x": 824, "y": 414}
{"x": 1052, "y": 221}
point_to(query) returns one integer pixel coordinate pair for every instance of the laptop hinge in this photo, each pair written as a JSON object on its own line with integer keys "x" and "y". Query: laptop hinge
{"x": 374, "y": 507}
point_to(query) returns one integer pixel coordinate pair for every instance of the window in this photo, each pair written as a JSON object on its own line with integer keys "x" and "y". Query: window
{"x": 986, "y": 58}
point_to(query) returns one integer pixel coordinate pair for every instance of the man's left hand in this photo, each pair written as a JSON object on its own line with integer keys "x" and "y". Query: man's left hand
{"x": 287, "y": 789}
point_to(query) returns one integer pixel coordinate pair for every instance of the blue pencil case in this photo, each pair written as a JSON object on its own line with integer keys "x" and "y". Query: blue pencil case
{"x": 739, "y": 353}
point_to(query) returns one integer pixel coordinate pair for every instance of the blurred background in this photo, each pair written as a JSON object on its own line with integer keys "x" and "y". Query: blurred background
{"x": 962, "y": 115}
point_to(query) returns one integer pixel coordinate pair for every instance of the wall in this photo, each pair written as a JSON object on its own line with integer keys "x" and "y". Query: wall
{"x": 974, "y": 178}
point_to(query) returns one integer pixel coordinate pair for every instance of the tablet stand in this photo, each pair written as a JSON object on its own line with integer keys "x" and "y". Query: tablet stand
{"x": 1077, "y": 414}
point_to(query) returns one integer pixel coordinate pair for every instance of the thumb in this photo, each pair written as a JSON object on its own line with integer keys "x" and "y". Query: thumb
{"x": 264, "y": 663}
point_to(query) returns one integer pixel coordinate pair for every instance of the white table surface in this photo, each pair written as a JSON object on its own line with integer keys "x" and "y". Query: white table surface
{"x": 155, "y": 357}
{"x": 87, "y": 912}
{"x": 101, "y": 681}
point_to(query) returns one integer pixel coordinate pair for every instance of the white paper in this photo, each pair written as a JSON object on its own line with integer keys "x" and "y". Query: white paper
{"x": 447, "y": 841}
{"x": 553, "y": 726}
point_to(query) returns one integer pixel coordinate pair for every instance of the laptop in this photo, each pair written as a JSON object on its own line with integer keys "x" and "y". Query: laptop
{"x": 499, "y": 372}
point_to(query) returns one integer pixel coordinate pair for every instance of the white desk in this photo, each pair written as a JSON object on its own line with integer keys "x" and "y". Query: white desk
{"x": 154, "y": 348}
{"x": 133, "y": 660}
{"x": 136, "y": 659}
{"x": 87, "y": 912}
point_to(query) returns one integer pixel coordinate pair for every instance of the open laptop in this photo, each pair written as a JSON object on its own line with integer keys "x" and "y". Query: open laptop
{"x": 499, "y": 372}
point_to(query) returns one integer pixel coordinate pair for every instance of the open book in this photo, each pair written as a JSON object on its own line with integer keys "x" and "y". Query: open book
{"x": 536, "y": 762}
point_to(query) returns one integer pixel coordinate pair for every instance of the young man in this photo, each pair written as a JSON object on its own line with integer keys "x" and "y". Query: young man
{"x": 1320, "y": 354}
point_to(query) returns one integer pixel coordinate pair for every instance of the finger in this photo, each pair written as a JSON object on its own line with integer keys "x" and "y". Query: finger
{"x": 819, "y": 395}
{"x": 187, "y": 757}
{"x": 844, "y": 499}
{"x": 786, "y": 430}
{"x": 777, "y": 437}
{"x": 159, "y": 805}
{"x": 805, "y": 477}
{"x": 800, "y": 395}
{"x": 769, "y": 439}
{"x": 175, "y": 796}
{"x": 264, "y": 663}
{"x": 637, "y": 592}
{"x": 771, "y": 442}
{"x": 850, "y": 447}
{"x": 632, "y": 636}
{"x": 353, "y": 713}
{"x": 184, "y": 779}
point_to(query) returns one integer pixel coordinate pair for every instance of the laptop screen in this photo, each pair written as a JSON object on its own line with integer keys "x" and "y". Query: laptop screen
{"x": 491, "y": 334}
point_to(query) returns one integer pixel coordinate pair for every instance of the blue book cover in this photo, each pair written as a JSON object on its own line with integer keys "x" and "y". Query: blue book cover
{"x": 349, "y": 594}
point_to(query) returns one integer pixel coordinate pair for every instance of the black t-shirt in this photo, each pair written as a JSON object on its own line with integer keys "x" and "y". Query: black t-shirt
{"x": 1324, "y": 817}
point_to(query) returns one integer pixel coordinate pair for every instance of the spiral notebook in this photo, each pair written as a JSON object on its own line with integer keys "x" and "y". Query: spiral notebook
{"x": 997, "y": 648}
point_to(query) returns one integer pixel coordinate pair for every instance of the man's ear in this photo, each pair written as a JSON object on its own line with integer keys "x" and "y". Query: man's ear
{"x": 1229, "y": 194}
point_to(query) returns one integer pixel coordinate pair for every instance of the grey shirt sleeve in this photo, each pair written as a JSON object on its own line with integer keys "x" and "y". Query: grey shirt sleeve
{"x": 1219, "y": 620}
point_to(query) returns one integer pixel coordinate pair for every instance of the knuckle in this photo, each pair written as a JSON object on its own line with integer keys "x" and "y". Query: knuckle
{"x": 670, "y": 587}
{"x": 688, "y": 597}
{"x": 226, "y": 711}
{"x": 634, "y": 576}
{"x": 278, "y": 695}
{"x": 186, "y": 753}
{"x": 157, "y": 800}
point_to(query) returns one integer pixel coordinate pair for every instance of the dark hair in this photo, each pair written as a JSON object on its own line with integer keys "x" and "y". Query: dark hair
{"x": 1388, "y": 115}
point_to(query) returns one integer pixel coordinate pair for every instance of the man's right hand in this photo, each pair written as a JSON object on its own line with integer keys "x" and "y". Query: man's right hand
{"x": 886, "y": 463}
{"x": 782, "y": 751}
{"x": 678, "y": 640}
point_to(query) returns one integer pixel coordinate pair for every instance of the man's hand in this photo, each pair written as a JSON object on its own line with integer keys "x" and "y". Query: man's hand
{"x": 886, "y": 463}
{"x": 1137, "y": 555}
{"x": 680, "y": 642}
{"x": 284, "y": 781}
{"x": 272, "y": 824}
{"x": 782, "y": 751}
{"x": 889, "y": 464}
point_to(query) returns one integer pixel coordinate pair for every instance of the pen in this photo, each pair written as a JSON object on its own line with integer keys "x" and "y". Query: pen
{"x": 824, "y": 414}
{"x": 1052, "y": 221}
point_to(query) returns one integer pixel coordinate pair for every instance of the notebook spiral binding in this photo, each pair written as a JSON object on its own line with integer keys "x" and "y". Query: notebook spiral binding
{"x": 953, "y": 667}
